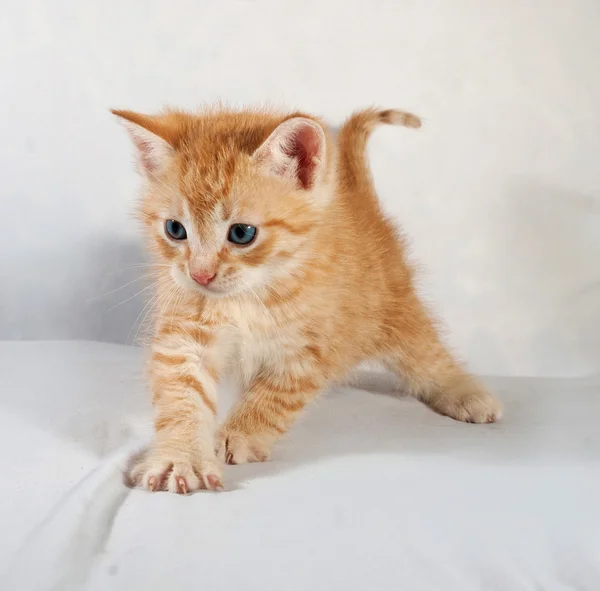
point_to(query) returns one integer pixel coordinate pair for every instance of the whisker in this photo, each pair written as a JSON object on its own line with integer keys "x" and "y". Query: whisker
{"x": 133, "y": 296}
{"x": 173, "y": 291}
{"x": 142, "y": 266}
{"x": 152, "y": 304}
{"x": 119, "y": 288}
{"x": 176, "y": 304}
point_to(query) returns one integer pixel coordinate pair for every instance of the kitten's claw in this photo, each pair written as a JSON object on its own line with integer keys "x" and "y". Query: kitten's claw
{"x": 212, "y": 482}
{"x": 181, "y": 476}
{"x": 152, "y": 483}
{"x": 182, "y": 486}
{"x": 234, "y": 447}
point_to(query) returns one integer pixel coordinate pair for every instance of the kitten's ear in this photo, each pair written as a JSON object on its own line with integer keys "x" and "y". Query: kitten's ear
{"x": 295, "y": 150}
{"x": 153, "y": 137}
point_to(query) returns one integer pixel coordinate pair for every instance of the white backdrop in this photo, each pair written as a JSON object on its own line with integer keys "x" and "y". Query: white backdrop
{"x": 499, "y": 193}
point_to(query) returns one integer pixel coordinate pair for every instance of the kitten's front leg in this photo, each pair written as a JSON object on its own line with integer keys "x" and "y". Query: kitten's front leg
{"x": 184, "y": 385}
{"x": 265, "y": 413}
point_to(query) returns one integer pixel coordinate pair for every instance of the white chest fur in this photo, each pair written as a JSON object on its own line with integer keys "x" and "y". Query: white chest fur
{"x": 256, "y": 339}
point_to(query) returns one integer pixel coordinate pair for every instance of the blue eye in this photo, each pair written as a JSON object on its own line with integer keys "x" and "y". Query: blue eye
{"x": 241, "y": 234}
{"x": 175, "y": 230}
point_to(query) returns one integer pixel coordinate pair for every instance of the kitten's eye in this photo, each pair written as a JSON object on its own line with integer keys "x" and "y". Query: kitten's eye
{"x": 242, "y": 234}
{"x": 175, "y": 230}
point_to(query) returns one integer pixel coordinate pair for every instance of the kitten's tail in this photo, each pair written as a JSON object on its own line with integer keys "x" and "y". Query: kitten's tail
{"x": 354, "y": 169}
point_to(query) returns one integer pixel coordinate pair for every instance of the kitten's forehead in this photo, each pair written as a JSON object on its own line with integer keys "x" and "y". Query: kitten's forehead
{"x": 206, "y": 181}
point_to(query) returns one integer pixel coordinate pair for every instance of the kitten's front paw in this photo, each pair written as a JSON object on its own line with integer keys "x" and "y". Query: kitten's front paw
{"x": 468, "y": 402}
{"x": 180, "y": 474}
{"x": 235, "y": 447}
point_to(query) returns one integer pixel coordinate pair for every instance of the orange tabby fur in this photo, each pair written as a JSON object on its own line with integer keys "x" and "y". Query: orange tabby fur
{"x": 324, "y": 286}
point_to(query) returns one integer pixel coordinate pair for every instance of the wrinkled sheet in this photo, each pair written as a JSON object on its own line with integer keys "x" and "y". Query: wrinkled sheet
{"x": 370, "y": 490}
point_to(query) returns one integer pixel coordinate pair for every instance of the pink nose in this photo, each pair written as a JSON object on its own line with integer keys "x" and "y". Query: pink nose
{"x": 203, "y": 277}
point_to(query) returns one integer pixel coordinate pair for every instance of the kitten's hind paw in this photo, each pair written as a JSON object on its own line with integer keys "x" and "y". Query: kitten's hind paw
{"x": 468, "y": 402}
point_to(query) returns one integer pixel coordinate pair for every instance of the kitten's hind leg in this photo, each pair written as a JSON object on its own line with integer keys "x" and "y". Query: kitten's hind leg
{"x": 418, "y": 356}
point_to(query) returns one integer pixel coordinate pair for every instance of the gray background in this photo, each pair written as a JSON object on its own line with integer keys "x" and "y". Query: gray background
{"x": 499, "y": 192}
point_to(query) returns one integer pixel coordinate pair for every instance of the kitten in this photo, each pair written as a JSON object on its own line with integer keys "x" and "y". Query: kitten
{"x": 274, "y": 259}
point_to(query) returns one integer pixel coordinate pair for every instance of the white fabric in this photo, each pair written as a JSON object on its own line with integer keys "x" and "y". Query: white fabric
{"x": 369, "y": 491}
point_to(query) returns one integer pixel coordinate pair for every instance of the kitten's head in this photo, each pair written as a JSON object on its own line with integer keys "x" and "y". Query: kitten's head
{"x": 231, "y": 200}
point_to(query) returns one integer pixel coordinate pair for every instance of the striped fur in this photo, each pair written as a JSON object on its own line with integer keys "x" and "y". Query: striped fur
{"x": 324, "y": 286}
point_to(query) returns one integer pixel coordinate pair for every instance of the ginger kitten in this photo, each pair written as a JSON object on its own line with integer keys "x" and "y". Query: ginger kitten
{"x": 273, "y": 260}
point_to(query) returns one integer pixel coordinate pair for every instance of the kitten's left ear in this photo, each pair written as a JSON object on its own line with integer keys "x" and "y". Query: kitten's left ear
{"x": 295, "y": 150}
{"x": 154, "y": 137}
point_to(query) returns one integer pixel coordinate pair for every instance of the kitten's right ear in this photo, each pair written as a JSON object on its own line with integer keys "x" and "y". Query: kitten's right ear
{"x": 153, "y": 138}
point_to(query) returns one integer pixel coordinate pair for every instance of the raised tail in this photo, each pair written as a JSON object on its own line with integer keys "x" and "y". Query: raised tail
{"x": 354, "y": 172}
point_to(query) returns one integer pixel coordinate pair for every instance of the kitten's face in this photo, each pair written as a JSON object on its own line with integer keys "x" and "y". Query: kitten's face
{"x": 227, "y": 221}
{"x": 235, "y": 242}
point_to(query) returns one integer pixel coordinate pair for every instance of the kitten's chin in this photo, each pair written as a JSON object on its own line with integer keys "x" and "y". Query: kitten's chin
{"x": 199, "y": 290}
{"x": 211, "y": 292}
{"x": 214, "y": 291}
{"x": 231, "y": 291}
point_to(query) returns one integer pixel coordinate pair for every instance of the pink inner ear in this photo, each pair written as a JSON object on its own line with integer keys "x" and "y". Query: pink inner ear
{"x": 305, "y": 146}
{"x": 145, "y": 149}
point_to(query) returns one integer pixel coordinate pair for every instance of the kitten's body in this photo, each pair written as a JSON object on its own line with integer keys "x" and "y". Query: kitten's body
{"x": 324, "y": 287}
